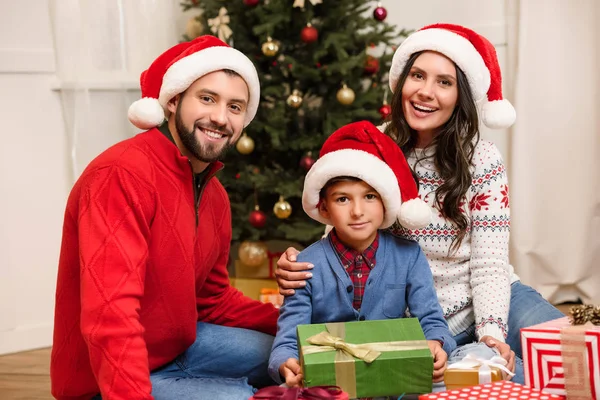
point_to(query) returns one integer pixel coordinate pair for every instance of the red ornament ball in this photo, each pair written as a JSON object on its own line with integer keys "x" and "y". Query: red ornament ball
{"x": 307, "y": 162}
{"x": 380, "y": 13}
{"x": 257, "y": 219}
{"x": 385, "y": 110}
{"x": 251, "y": 3}
{"x": 309, "y": 34}
{"x": 371, "y": 65}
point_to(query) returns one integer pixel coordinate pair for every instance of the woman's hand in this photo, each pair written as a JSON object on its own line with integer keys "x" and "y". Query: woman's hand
{"x": 439, "y": 360}
{"x": 291, "y": 372}
{"x": 505, "y": 352}
{"x": 290, "y": 274}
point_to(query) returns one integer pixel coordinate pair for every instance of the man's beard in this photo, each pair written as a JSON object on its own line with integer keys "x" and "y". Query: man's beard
{"x": 208, "y": 153}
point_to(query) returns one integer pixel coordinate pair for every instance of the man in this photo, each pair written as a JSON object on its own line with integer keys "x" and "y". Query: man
{"x": 144, "y": 308}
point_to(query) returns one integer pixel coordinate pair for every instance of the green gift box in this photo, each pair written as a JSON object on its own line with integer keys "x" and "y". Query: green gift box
{"x": 390, "y": 357}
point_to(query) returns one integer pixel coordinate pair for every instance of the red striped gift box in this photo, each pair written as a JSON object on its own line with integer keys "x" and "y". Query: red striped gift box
{"x": 560, "y": 358}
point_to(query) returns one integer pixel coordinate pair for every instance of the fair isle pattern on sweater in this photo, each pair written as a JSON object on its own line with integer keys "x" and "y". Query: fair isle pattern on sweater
{"x": 472, "y": 284}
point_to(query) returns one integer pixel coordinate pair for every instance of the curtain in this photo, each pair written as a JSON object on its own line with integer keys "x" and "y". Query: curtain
{"x": 101, "y": 49}
{"x": 555, "y": 146}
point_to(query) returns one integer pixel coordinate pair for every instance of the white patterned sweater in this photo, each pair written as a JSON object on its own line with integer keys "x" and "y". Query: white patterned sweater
{"x": 472, "y": 284}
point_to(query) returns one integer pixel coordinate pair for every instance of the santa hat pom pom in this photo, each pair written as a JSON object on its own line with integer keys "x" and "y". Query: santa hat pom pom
{"x": 499, "y": 114}
{"x": 146, "y": 113}
{"x": 414, "y": 214}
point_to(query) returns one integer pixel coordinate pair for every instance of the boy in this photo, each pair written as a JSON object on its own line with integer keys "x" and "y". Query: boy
{"x": 361, "y": 184}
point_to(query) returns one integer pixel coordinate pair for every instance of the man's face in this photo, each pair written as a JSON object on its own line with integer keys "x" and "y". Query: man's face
{"x": 210, "y": 114}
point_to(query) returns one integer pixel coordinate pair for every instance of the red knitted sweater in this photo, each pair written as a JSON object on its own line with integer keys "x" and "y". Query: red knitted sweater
{"x": 136, "y": 273}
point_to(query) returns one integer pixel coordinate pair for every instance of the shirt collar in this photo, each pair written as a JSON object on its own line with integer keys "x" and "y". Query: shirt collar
{"x": 348, "y": 255}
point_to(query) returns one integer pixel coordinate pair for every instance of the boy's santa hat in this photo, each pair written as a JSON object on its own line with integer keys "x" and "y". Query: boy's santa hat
{"x": 362, "y": 151}
{"x": 178, "y": 67}
{"x": 474, "y": 55}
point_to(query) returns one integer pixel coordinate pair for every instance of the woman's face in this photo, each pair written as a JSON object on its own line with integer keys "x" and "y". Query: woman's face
{"x": 430, "y": 93}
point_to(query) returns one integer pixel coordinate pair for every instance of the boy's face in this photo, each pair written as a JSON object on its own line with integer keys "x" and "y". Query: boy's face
{"x": 356, "y": 211}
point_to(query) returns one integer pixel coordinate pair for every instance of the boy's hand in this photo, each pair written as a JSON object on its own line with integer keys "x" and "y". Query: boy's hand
{"x": 290, "y": 274}
{"x": 291, "y": 372}
{"x": 439, "y": 360}
{"x": 505, "y": 352}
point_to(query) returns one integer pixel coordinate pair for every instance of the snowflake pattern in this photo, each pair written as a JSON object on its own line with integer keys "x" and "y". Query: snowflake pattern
{"x": 479, "y": 202}
{"x": 504, "y": 192}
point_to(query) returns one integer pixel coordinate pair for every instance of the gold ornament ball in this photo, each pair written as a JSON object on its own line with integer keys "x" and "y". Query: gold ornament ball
{"x": 270, "y": 47}
{"x": 193, "y": 28}
{"x": 245, "y": 144}
{"x": 253, "y": 254}
{"x": 295, "y": 99}
{"x": 282, "y": 208}
{"x": 345, "y": 95}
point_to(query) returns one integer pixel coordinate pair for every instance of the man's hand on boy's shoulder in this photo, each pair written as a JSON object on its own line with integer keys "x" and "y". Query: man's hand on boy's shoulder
{"x": 291, "y": 372}
{"x": 291, "y": 274}
{"x": 439, "y": 359}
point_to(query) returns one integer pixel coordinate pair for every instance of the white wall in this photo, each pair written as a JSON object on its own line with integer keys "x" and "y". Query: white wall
{"x": 34, "y": 176}
{"x": 488, "y": 18}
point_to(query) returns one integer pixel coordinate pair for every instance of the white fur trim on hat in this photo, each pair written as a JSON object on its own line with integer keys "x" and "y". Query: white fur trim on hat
{"x": 146, "y": 113}
{"x": 373, "y": 171}
{"x": 498, "y": 114}
{"x": 184, "y": 72}
{"x": 452, "y": 45}
{"x": 414, "y": 214}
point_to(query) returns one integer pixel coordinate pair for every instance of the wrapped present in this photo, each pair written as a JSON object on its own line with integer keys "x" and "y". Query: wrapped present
{"x": 496, "y": 390}
{"x": 562, "y": 358}
{"x": 314, "y": 393}
{"x": 269, "y": 295}
{"x": 253, "y": 287}
{"x": 473, "y": 370}
{"x": 367, "y": 358}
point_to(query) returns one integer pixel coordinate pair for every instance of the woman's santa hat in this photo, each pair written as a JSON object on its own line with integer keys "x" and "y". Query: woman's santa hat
{"x": 178, "y": 67}
{"x": 474, "y": 55}
{"x": 362, "y": 151}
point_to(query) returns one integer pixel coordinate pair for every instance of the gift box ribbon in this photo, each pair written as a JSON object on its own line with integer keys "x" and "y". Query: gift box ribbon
{"x": 315, "y": 392}
{"x": 574, "y": 355}
{"x": 471, "y": 361}
{"x": 333, "y": 339}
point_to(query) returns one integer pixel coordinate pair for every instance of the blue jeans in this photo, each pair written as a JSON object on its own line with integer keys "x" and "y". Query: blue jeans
{"x": 527, "y": 308}
{"x": 223, "y": 363}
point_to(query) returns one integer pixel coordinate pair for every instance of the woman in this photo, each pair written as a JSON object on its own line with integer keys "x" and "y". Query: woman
{"x": 444, "y": 79}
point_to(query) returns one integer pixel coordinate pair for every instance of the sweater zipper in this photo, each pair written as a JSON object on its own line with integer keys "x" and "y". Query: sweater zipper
{"x": 206, "y": 179}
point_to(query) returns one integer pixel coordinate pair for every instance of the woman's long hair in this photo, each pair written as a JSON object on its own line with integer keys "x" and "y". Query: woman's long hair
{"x": 455, "y": 145}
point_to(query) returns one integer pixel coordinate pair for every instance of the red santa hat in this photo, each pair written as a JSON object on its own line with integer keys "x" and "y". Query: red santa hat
{"x": 474, "y": 55}
{"x": 362, "y": 151}
{"x": 178, "y": 67}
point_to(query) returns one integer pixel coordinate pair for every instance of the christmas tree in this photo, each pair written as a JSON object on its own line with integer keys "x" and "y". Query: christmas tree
{"x": 317, "y": 74}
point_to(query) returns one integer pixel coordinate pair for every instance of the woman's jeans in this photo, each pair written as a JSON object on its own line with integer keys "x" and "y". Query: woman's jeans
{"x": 527, "y": 308}
{"x": 223, "y": 363}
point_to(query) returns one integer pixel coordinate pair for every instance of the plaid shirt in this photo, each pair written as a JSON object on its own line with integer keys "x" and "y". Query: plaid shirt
{"x": 357, "y": 265}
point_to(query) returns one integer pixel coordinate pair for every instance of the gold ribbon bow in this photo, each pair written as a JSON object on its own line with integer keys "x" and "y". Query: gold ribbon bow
{"x": 219, "y": 25}
{"x": 300, "y": 3}
{"x": 347, "y": 353}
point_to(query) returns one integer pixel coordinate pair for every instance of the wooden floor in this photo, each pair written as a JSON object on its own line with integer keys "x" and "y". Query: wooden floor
{"x": 26, "y": 376}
